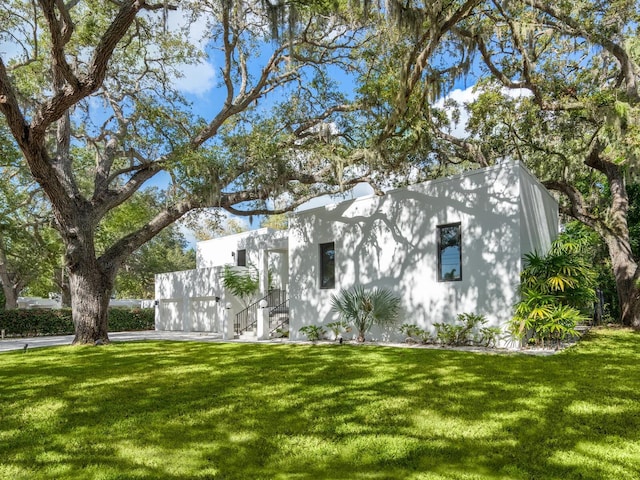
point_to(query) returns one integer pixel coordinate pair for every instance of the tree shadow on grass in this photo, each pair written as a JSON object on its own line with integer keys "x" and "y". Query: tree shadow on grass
{"x": 234, "y": 411}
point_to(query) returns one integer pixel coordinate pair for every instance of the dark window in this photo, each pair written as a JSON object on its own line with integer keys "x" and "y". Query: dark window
{"x": 327, "y": 265}
{"x": 449, "y": 253}
{"x": 242, "y": 258}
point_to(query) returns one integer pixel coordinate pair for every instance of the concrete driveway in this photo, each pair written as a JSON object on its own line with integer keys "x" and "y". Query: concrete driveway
{"x": 9, "y": 344}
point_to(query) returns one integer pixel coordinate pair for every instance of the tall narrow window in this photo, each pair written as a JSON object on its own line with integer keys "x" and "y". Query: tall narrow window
{"x": 327, "y": 265}
{"x": 241, "y": 257}
{"x": 449, "y": 253}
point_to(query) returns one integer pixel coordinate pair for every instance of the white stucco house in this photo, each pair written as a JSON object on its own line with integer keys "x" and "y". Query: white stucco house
{"x": 447, "y": 246}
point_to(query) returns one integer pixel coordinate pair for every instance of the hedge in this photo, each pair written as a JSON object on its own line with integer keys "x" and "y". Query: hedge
{"x": 27, "y": 323}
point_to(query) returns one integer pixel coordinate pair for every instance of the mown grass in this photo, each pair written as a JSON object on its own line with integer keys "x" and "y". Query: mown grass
{"x": 173, "y": 410}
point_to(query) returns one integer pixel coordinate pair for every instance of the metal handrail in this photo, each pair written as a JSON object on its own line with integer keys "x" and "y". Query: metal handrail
{"x": 278, "y": 317}
{"x": 248, "y": 318}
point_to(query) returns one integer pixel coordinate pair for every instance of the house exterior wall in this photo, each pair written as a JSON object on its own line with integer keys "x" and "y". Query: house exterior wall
{"x": 391, "y": 242}
{"x": 218, "y": 252}
{"x": 387, "y": 241}
{"x": 187, "y": 300}
{"x": 222, "y": 251}
{"x": 539, "y": 222}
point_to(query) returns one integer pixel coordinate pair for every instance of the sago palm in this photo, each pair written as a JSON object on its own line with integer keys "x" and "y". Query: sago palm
{"x": 362, "y": 309}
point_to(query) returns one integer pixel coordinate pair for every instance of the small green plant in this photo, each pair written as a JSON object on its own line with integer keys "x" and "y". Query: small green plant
{"x": 448, "y": 334}
{"x": 424, "y": 336}
{"x": 412, "y": 332}
{"x": 243, "y": 283}
{"x": 468, "y": 331}
{"x": 337, "y": 328}
{"x": 489, "y": 336}
{"x": 313, "y": 332}
{"x": 281, "y": 333}
{"x": 362, "y": 308}
{"x": 409, "y": 330}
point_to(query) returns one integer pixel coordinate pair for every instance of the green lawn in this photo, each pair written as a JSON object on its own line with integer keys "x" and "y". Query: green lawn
{"x": 173, "y": 410}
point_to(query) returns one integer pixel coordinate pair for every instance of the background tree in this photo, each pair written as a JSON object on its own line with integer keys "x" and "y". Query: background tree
{"x": 416, "y": 58}
{"x": 30, "y": 250}
{"x": 277, "y": 222}
{"x": 578, "y": 129}
{"x": 166, "y": 252}
{"x": 100, "y": 77}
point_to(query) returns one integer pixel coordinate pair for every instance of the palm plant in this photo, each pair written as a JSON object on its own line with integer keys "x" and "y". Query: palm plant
{"x": 557, "y": 289}
{"x": 243, "y": 283}
{"x": 362, "y": 309}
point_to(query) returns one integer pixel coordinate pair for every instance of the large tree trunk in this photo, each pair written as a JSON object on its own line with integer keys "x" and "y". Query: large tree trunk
{"x": 10, "y": 288}
{"x": 10, "y": 296}
{"x": 626, "y": 273}
{"x": 615, "y": 232}
{"x": 89, "y": 303}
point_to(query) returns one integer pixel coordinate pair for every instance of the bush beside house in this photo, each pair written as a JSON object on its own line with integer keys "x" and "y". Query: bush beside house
{"x": 58, "y": 322}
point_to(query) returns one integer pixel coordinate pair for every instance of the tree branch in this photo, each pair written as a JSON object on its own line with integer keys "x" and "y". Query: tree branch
{"x": 113, "y": 257}
{"x": 61, "y": 101}
{"x": 628, "y": 67}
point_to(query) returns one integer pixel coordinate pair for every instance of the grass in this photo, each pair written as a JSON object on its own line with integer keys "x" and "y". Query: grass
{"x": 173, "y": 410}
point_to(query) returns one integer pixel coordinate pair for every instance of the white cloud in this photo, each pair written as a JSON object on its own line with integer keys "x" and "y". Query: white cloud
{"x": 197, "y": 78}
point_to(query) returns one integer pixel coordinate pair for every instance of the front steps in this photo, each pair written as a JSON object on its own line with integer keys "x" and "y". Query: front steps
{"x": 248, "y": 335}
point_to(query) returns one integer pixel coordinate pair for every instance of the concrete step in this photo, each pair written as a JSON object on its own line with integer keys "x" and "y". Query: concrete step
{"x": 247, "y": 335}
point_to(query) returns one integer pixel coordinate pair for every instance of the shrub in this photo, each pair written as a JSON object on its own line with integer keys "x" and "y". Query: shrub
{"x": 362, "y": 309}
{"x": 412, "y": 331}
{"x": 131, "y": 319}
{"x": 469, "y": 331}
{"x": 489, "y": 336}
{"x": 337, "y": 328}
{"x": 409, "y": 330}
{"x": 313, "y": 332}
{"x": 557, "y": 289}
{"x": 59, "y": 322}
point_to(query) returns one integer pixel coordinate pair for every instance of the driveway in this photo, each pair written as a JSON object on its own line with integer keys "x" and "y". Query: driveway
{"x": 9, "y": 344}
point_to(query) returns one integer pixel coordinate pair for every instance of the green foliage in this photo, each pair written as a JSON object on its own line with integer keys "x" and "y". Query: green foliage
{"x": 557, "y": 289}
{"x": 633, "y": 217}
{"x": 125, "y": 319}
{"x": 30, "y": 250}
{"x": 58, "y": 322}
{"x": 409, "y": 330}
{"x": 313, "y": 332}
{"x": 362, "y": 309}
{"x": 241, "y": 282}
{"x": 277, "y": 222}
{"x": 166, "y": 252}
{"x": 412, "y": 332}
{"x": 337, "y": 328}
{"x": 122, "y": 411}
{"x": 281, "y": 333}
{"x": 469, "y": 330}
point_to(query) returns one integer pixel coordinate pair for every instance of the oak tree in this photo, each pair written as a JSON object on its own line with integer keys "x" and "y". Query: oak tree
{"x": 103, "y": 77}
